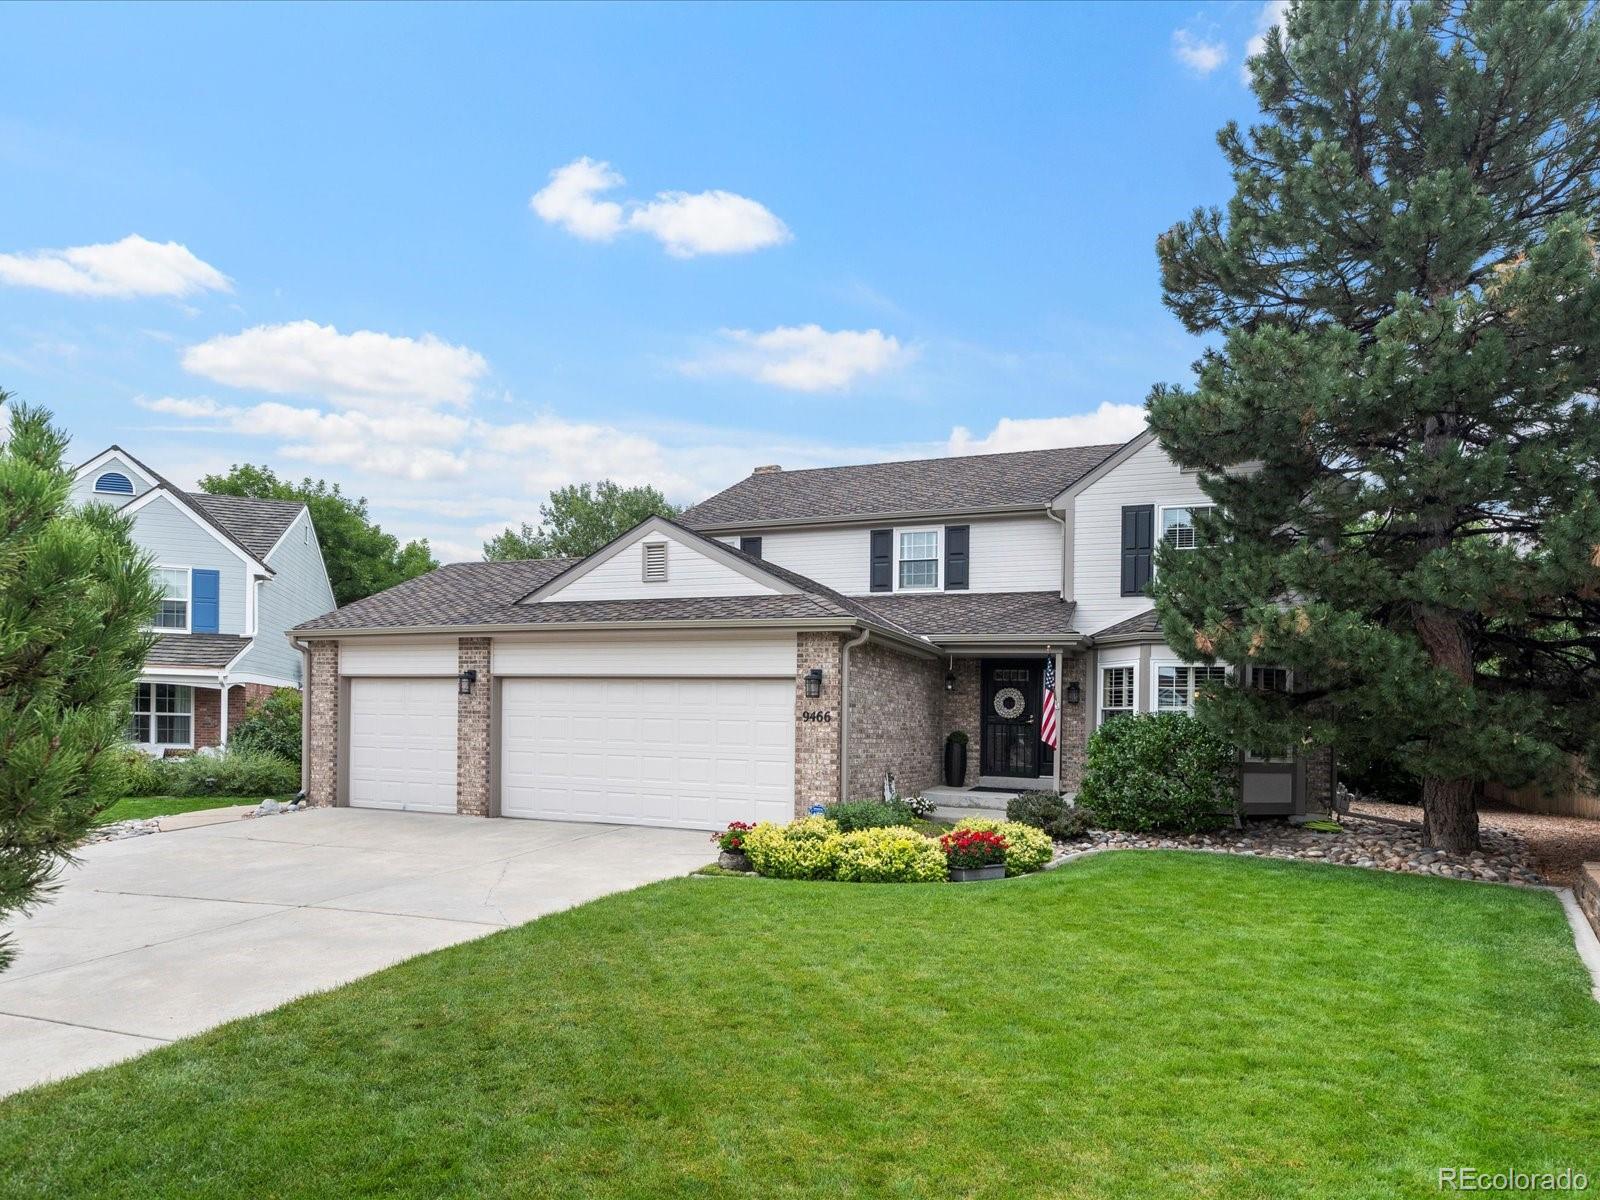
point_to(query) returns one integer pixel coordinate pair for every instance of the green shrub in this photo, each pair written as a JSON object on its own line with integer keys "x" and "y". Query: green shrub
{"x": 805, "y": 849}
{"x": 890, "y": 854}
{"x": 1029, "y": 848}
{"x": 1072, "y": 823}
{"x": 851, "y": 815}
{"x": 141, "y": 774}
{"x": 271, "y": 726}
{"x": 234, "y": 773}
{"x": 1038, "y": 809}
{"x": 1159, "y": 771}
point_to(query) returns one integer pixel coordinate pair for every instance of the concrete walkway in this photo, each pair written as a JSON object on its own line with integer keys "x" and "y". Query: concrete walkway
{"x": 159, "y": 937}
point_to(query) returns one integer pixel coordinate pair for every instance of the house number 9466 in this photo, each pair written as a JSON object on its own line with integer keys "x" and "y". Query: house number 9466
{"x": 816, "y": 714}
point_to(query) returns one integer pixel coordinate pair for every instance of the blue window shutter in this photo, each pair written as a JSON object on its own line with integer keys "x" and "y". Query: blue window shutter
{"x": 207, "y": 606}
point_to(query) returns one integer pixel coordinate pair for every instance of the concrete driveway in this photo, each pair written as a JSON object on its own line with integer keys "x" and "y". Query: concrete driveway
{"x": 155, "y": 938}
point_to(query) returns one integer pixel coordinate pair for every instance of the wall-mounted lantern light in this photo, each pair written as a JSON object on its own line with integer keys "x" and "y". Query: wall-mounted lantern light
{"x": 949, "y": 681}
{"x": 814, "y": 682}
{"x": 1074, "y": 692}
{"x": 465, "y": 682}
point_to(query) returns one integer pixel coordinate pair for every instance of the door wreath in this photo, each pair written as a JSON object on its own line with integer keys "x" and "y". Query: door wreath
{"x": 1009, "y": 703}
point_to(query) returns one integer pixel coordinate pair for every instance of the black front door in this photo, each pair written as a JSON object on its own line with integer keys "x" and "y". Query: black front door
{"x": 1011, "y": 717}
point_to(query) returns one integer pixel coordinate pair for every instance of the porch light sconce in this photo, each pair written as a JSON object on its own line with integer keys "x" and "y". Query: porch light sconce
{"x": 949, "y": 681}
{"x": 465, "y": 682}
{"x": 1074, "y": 692}
{"x": 814, "y": 682}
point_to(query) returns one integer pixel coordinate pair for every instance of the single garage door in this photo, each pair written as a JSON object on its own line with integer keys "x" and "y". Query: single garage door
{"x": 681, "y": 753}
{"x": 403, "y": 744}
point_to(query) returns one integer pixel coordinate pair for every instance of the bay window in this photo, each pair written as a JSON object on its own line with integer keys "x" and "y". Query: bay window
{"x": 1117, "y": 692}
{"x": 1177, "y": 685}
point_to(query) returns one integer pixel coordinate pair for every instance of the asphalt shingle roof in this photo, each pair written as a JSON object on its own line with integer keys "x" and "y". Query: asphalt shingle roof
{"x": 1021, "y": 479}
{"x": 464, "y": 593}
{"x": 1144, "y": 622}
{"x": 196, "y": 650}
{"x": 970, "y": 614}
{"x": 254, "y": 524}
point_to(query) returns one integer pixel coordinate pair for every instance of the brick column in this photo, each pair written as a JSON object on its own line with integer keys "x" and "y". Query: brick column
{"x": 1320, "y": 777}
{"x": 963, "y": 710}
{"x": 322, "y": 724}
{"x": 1074, "y": 719}
{"x": 472, "y": 730}
{"x": 816, "y": 742}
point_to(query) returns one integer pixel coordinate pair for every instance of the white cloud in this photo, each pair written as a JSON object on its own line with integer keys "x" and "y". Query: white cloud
{"x": 1196, "y": 53}
{"x": 568, "y": 200}
{"x": 1273, "y": 12}
{"x": 359, "y": 370}
{"x": 1106, "y": 424}
{"x": 134, "y": 266}
{"x": 803, "y": 358}
{"x": 685, "y": 223}
{"x": 180, "y": 406}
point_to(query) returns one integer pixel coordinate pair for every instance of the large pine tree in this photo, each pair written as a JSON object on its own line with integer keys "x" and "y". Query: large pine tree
{"x": 1398, "y": 420}
{"x": 75, "y": 600}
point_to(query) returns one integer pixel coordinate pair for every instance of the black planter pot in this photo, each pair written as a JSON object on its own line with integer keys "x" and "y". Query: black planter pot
{"x": 955, "y": 764}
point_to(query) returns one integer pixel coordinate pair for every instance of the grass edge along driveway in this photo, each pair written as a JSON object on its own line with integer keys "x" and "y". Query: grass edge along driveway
{"x": 1135, "y": 1024}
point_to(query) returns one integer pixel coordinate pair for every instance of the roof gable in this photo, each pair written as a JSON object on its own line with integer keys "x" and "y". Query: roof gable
{"x": 929, "y": 487}
{"x": 254, "y": 523}
{"x": 689, "y": 565}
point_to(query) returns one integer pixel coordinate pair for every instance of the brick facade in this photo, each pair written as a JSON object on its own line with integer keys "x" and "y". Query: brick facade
{"x": 962, "y": 709}
{"x": 473, "y": 739}
{"x": 322, "y": 727}
{"x": 816, "y": 742}
{"x": 208, "y": 718}
{"x": 1586, "y": 891}
{"x": 1320, "y": 779}
{"x": 897, "y": 710}
{"x": 1073, "y": 719}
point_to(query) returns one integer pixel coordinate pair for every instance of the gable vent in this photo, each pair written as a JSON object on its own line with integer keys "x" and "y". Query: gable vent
{"x": 114, "y": 481}
{"x": 655, "y": 562}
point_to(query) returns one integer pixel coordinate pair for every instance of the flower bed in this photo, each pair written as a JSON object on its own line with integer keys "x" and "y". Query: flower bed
{"x": 816, "y": 848}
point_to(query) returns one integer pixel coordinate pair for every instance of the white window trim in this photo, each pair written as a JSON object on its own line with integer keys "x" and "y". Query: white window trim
{"x": 155, "y": 747}
{"x": 1161, "y": 518}
{"x": 1131, "y": 664}
{"x": 938, "y": 557}
{"x": 188, "y": 604}
{"x": 1159, "y": 664}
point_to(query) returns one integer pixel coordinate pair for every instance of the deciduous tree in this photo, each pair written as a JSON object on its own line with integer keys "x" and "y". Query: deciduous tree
{"x": 578, "y": 520}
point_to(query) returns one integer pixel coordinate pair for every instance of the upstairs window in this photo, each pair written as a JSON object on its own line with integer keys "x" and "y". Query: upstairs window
{"x": 1116, "y": 692}
{"x": 114, "y": 482}
{"x": 919, "y": 560}
{"x": 173, "y": 611}
{"x": 1177, "y": 526}
{"x": 163, "y": 715}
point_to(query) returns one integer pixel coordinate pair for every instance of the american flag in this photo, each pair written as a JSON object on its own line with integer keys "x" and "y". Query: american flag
{"x": 1047, "y": 722}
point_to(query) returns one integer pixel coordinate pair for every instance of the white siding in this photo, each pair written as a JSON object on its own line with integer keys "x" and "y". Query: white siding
{"x": 703, "y": 656}
{"x": 1012, "y": 554}
{"x": 1148, "y": 477}
{"x": 690, "y": 572}
{"x": 298, "y": 592}
{"x": 398, "y": 657}
{"x": 175, "y": 539}
{"x": 83, "y": 489}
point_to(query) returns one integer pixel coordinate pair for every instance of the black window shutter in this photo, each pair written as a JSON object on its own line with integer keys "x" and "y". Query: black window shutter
{"x": 956, "y": 541}
{"x": 1138, "y": 547}
{"x": 882, "y": 560}
{"x": 751, "y": 546}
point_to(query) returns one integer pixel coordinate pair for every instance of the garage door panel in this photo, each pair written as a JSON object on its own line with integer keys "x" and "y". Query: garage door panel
{"x": 681, "y": 753}
{"x": 403, "y": 744}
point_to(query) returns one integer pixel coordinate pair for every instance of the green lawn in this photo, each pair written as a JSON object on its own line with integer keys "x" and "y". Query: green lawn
{"x": 139, "y": 807}
{"x": 1133, "y": 1025}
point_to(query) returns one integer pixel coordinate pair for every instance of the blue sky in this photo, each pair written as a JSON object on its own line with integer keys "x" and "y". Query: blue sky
{"x": 453, "y": 257}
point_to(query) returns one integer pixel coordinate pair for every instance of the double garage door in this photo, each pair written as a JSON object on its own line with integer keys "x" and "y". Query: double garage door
{"x": 680, "y": 753}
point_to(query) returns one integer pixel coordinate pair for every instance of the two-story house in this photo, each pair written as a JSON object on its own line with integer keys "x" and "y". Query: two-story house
{"x": 235, "y": 574}
{"x": 791, "y": 641}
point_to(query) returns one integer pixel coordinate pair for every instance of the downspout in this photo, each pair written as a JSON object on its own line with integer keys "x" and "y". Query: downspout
{"x": 305, "y": 714}
{"x": 844, "y": 712}
{"x": 1061, "y": 521}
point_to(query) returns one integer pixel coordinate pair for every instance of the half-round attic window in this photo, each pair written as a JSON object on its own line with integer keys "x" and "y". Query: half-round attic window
{"x": 114, "y": 481}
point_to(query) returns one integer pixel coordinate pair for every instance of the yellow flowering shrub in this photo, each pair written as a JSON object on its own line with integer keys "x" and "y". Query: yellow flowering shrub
{"x": 804, "y": 849}
{"x": 890, "y": 854}
{"x": 1028, "y": 848}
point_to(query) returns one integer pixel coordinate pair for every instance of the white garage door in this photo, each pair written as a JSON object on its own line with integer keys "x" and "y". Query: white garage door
{"x": 683, "y": 753}
{"x": 403, "y": 744}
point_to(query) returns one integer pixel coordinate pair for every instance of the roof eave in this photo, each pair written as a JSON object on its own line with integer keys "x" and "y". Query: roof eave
{"x": 755, "y": 525}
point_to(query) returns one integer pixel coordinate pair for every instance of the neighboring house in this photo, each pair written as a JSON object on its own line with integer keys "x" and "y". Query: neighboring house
{"x": 235, "y": 574}
{"x": 791, "y": 641}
